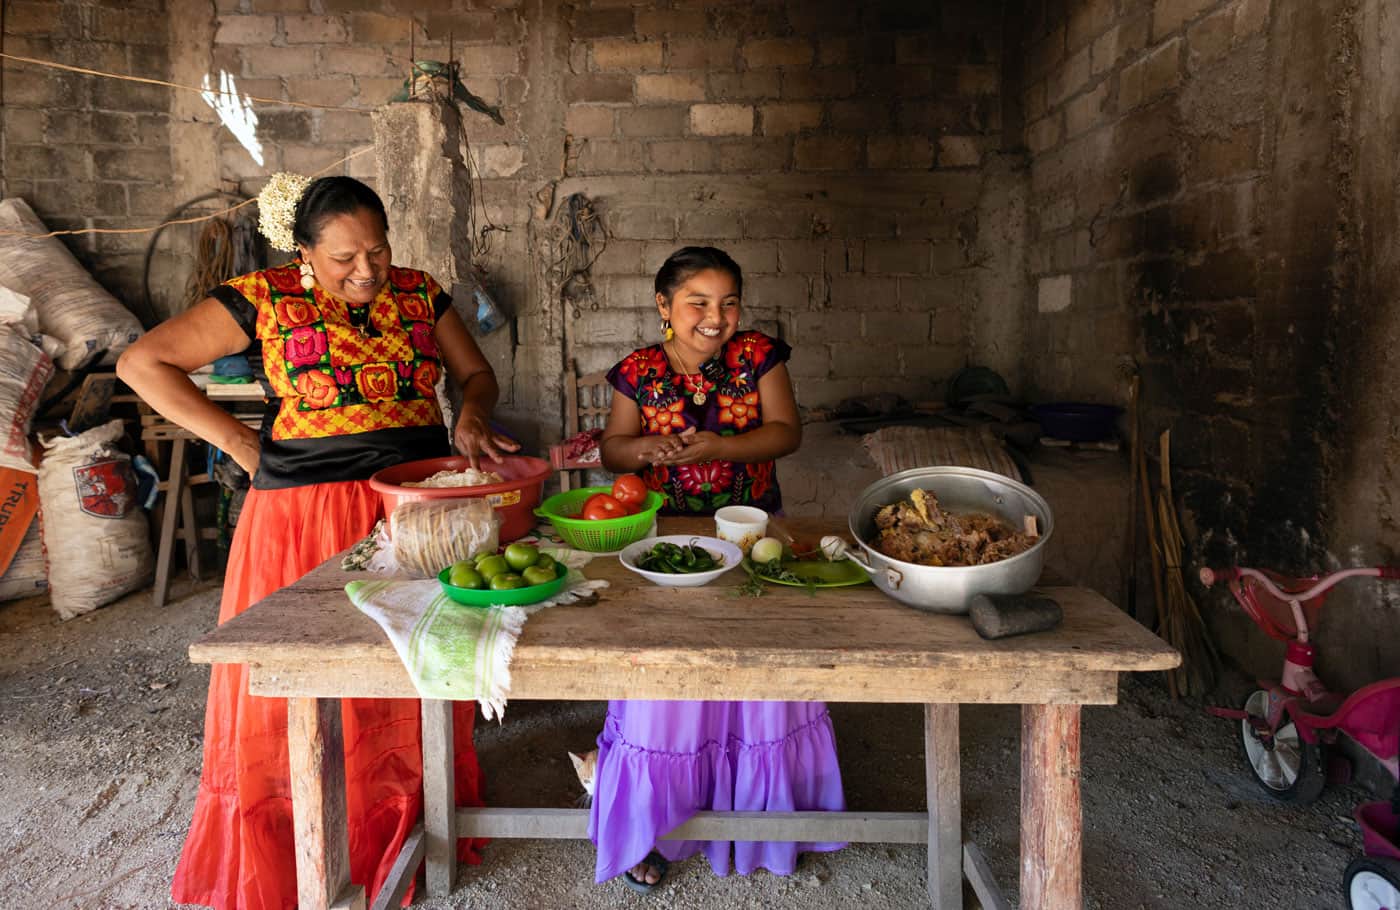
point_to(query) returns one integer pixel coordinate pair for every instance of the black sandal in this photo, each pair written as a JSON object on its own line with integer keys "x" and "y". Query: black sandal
{"x": 655, "y": 860}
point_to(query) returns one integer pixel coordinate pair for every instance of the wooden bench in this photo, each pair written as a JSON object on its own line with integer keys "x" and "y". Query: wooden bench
{"x": 308, "y": 644}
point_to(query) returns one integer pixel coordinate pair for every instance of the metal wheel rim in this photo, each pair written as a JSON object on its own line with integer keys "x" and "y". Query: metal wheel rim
{"x": 1277, "y": 768}
{"x": 1372, "y": 891}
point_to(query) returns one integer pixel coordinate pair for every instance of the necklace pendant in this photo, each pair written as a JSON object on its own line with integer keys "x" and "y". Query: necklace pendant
{"x": 698, "y": 397}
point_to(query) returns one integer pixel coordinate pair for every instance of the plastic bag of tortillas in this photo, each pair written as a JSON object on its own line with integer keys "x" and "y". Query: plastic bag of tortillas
{"x": 429, "y": 535}
{"x": 95, "y": 533}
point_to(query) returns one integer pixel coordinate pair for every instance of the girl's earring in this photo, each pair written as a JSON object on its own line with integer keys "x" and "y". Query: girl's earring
{"x": 308, "y": 277}
{"x": 667, "y": 333}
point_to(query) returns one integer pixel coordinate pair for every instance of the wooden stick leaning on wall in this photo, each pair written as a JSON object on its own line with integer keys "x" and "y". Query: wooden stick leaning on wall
{"x": 1180, "y": 620}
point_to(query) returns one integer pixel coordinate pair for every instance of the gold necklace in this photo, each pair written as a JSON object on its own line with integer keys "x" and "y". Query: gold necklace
{"x": 699, "y": 396}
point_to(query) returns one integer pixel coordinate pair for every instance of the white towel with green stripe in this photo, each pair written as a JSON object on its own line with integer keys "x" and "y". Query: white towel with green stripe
{"x": 453, "y": 651}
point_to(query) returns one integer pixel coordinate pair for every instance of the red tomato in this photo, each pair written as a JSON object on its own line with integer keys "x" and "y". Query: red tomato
{"x": 629, "y": 490}
{"x": 601, "y": 505}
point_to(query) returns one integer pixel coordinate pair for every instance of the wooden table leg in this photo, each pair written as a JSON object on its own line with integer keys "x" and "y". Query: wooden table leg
{"x": 439, "y": 797}
{"x": 1051, "y": 818}
{"x": 170, "y": 513}
{"x": 943, "y": 776}
{"x": 316, "y": 749}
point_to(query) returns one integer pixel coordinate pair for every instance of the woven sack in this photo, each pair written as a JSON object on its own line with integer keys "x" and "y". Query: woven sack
{"x": 95, "y": 533}
{"x": 72, "y": 306}
{"x": 895, "y": 449}
{"x": 25, "y": 577}
{"x": 24, "y": 371}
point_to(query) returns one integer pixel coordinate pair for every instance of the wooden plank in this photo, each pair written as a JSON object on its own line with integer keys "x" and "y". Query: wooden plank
{"x": 858, "y": 827}
{"x": 979, "y": 875}
{"x": 942, "y": 774}
{"x": 401, "y": 873}
{"x": 1051, "y": 819}
{"x": 189, "y": 531}
{"x": 94, "y": 401}
{"x": 846, "y": 628}
{"x": 439, "y": 797}
{"x": 316, "y": 750}
{"x": 385, "y": 677}
{"x": 351, "y": 898}
{"x": 572, "y": 824}
{"x": 170, "y": 513}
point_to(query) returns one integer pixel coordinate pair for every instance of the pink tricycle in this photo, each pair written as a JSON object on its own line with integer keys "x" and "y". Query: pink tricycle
{"x": 1286, "y": 726}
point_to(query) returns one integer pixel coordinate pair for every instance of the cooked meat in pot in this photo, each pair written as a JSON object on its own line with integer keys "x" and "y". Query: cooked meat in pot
{"x": 916, "y": 530}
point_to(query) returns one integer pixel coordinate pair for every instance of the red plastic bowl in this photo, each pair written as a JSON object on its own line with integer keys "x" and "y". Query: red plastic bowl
{"x": 514, "y": 499}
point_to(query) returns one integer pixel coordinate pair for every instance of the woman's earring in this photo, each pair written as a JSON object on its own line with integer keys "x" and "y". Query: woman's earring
{"x": 667, "y": 333}
{"x": 308, "y": 277}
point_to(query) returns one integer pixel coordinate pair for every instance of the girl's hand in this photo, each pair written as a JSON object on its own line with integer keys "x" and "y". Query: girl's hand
{"x": 473, "y": 436}
{"x": 658, "y": 449}
{"x": 697, "y": 446}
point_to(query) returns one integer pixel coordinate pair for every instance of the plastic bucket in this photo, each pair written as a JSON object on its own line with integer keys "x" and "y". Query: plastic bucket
{"x": 514, "y": 498}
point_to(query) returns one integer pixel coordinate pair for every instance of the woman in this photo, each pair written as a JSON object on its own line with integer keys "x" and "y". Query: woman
{"x": 703, "y": 415}
{"x": 352, "y": 347}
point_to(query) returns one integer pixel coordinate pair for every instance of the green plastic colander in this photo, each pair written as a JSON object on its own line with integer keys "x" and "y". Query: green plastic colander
{"x": 603, "y": 535}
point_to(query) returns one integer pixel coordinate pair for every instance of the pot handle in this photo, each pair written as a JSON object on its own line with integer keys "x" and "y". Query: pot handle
{"x": 835, "y": 548}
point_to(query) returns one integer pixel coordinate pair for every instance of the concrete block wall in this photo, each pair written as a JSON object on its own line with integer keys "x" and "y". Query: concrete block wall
{"x": 1162, "y": 181}
{"x": 89, "y": 153}
{"x": 833, "y": 148}
{"x": 1145, "y": 122}
{"x": 1207, "y": 195}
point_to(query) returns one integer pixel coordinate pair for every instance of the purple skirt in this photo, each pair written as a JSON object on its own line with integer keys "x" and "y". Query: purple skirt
{"x": 660, "y": 762}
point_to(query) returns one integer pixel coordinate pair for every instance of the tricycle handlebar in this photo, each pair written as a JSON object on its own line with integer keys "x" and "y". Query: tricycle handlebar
{"x": 1234, "y": 573}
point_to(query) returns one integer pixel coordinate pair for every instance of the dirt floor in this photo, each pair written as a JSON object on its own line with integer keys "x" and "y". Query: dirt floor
{"x": 100, "y": 728}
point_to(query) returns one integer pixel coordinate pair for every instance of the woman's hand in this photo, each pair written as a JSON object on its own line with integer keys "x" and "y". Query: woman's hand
{"x": 696, "y": 446}
{"x": 474, "y": 436}
{"x": 246, "y": 450}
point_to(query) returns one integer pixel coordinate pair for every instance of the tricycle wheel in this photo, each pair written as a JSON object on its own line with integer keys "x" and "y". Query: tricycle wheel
{"x": 1372, "y": 883}
{"x": 1285, "y": 765}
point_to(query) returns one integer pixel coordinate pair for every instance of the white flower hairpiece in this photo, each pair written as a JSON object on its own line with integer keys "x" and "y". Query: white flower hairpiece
{"x": 277, "y": 208}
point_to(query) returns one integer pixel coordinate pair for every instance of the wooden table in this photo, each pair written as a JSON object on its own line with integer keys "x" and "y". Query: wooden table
{"x": 308, "y": 644}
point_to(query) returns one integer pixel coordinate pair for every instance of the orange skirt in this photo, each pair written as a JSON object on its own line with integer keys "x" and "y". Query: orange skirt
{"x": 239, "y": 853}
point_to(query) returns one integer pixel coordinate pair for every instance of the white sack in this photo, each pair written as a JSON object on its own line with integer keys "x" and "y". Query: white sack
{"x": 25, "y": 576}
{"x": 94, "y": 532}
{"x": 72, "y": 306}
{"x": 24, "y": 371}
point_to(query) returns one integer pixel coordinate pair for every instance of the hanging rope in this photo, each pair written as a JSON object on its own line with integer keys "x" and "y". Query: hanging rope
{"x": 184, "y": 88}
{"x": 175, "y": 221}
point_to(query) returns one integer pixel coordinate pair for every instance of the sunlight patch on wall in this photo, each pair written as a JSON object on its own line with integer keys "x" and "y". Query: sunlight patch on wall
{"x": 236, "y": 112}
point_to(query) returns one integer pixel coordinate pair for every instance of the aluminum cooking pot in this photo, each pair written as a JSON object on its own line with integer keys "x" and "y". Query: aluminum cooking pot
{"x": 947, "y": 589}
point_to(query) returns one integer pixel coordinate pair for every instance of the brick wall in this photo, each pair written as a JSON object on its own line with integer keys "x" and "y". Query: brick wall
{"x": 1145, "y": 123}
{"x": 688, "y": 123}
{"x": 1192, "y": 206}
{"x": 836, "y": 149}
{"x": 832, "y": 148}
{"x": 1155, "y": 137}
{"x": 89, "y": 153}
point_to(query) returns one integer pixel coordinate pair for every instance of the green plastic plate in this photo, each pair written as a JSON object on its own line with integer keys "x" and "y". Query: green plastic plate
{"x": 511, "y": 597}
{"x": 840, "y": 574}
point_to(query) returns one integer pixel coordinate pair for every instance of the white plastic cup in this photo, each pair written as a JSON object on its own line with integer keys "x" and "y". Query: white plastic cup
{"x": 742, "y": 526}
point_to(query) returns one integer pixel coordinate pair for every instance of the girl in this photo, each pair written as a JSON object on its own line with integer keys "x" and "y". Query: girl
{"x": 703, "y": 415}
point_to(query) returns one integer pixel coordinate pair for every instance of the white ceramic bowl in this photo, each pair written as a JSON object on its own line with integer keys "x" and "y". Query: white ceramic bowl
{"x": 722, "y": 550}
